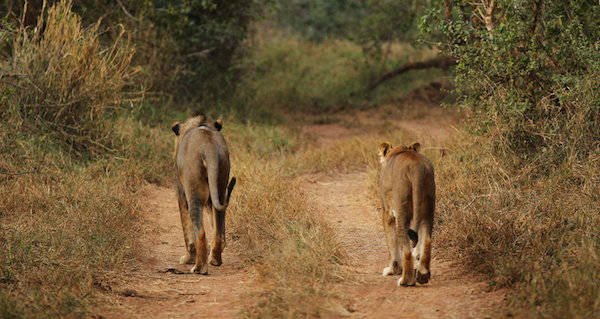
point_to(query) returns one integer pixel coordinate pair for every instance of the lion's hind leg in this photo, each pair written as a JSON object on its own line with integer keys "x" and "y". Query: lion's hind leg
{"x": 200, "y": 264}
{"x": 403, "y": 218}
{"x": 218, "y": 243}
{"x": 424, "y": 247}
{"x": 389, "y": 229}
{"x": 188, "y": 229}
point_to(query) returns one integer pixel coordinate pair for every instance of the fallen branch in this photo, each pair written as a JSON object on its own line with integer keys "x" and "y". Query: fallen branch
{"x": 18, "y": 173}
{"x": 437, "y": 62}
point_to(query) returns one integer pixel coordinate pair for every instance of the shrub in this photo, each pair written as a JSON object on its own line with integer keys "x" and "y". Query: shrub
{"x": 284, "y": 72}
{"x": 529, "y": 75}
{"x": 537, "y": 236}
{"x": 65, "y": 81}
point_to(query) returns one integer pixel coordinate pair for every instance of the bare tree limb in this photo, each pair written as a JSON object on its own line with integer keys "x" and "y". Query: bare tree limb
{"x": 537, "y": 12}
{"x": 125, "y": 11}
{"x": 489, "y": 14}
{"x": 440, "y": 62}
{"x": 448, "y": 10}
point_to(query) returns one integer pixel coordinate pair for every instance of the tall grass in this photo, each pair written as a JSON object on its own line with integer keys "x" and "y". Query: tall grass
{"x": 67, "y": 219}
{"x": 538, "y": 236}
{"x": 294, "y": 250}
{"x": 66, "y": 222}
{"x": 66, "y": 81}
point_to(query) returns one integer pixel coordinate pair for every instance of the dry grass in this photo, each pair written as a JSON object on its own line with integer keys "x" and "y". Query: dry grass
{"x": 65, "y": 219}
{"x": 538, "y": 236}
{"x": 535, "y": 235}
{"x": 65, "y": 80}
{"x": 67, "y": 208}
{"x": 66, "y": 222}
{"x": 293, "y": 250}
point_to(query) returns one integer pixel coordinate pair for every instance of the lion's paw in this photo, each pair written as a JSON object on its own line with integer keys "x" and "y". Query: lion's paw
{"x": 185, "y": 259}
{"x": 216, "y": 262}
{"x": 423, "y": 278}
{"x": 388, "y": 271}
{"x": 199, "y": 270}
{"x": 407, "y": 280}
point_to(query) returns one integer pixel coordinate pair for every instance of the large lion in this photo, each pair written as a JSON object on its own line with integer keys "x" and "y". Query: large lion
{"x": 407, "y": 188}
{"x": 202, "y": 173}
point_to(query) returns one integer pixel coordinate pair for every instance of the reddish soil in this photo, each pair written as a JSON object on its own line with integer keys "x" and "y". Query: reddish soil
{"x": 451, "y": 293}
{"x": 147, "y": 291}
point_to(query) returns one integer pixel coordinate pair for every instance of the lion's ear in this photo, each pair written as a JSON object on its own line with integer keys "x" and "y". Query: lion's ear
{"x": 416, "y": 147}
{"x": 175, "y": 128}
{"x": 218, "y": 124}
{"x": 384, "y": 148}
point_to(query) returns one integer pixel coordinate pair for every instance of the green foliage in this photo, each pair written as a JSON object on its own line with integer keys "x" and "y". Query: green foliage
{"x": 317, "y": 20}
{"x": 529, "y": 76}
{"x": 283, "y": 72}
{"x": 207, "y": 35}
{"x": 387, "y": 21}
{"x": 185, "y": 48}
{"x": 532, "y": 79}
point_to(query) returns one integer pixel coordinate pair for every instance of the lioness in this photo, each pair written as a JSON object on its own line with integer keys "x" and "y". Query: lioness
{"x": 202, "y": 173}
{"x": 407, "y": 188}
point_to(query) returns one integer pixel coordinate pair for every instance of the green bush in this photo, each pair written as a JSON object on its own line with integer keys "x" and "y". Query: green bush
{"x": 206, "y": 38}
{"x": 186, "y": 49}
{"x": 525, "y": 209}
{"x": 318, "y": 20}
{"x": 532, "y": 80}
{"x": 285, "y": 72}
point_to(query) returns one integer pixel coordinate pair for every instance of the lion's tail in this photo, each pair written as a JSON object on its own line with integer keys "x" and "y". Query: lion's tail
{"x": 212, "y": 170}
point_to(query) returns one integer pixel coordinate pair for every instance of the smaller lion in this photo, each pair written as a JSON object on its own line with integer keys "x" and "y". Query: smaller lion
{"x": 407, "y": 187}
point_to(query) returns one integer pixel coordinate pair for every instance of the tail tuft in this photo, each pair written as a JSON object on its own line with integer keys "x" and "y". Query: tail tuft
{"x": 414, "y": 237}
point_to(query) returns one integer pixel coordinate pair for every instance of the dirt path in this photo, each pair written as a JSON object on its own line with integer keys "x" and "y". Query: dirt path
{"x": 147, "y": 291}
{"x": 346, "y": 205}
{"x": 451, "y": 293}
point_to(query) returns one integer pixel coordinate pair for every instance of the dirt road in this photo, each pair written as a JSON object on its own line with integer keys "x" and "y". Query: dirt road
{"x": 451, "y": 293}
{"x": 150, "y": 292}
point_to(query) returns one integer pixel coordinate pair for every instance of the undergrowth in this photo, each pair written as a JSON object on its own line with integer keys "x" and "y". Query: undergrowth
{"x": 71, "y": 163}
{"x": 286, "y": 73}
{"x": 64, "y": 80}
{"x": 66, "y": 221}
{"x": 538, "y": 236}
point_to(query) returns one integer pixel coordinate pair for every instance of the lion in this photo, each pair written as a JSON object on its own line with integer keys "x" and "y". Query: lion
{"x": 407, "y": 188}
{"x": 202, "y": 172}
